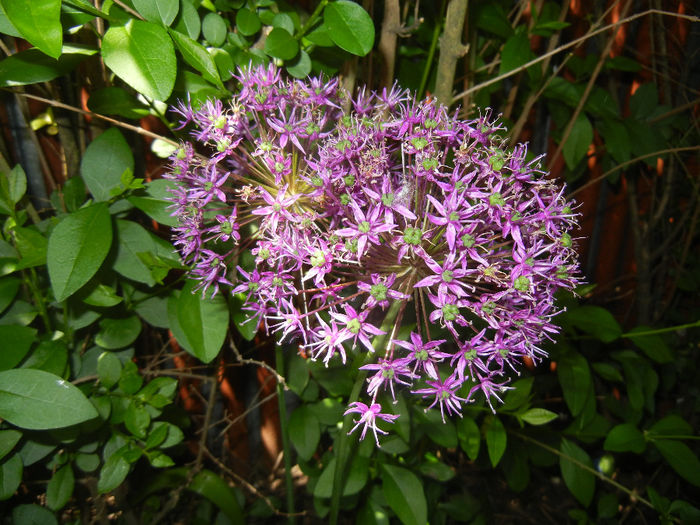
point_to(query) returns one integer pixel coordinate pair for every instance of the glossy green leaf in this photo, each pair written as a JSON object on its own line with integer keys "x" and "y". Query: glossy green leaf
{"x": 246, "y": 325}
{"x": 671, "y": 425}
{"x": 349, "y": 26}
{"x": 214, "y": 29}
{"x": 33, "y": 515}
{"x": 49, "y": 356}
{"x": 153, "y": 202}
{"x": 580, "y": 482}
{"x": 135, "y": 244}
{"x": 404, "y": 494}
{"x": 644, "y": 101}
{"x": 102, "y": 296}
{"x": 38, "y": 400}
{"x": 616, "y": 139}
{"x": 187, "y": 20}
{"x": 515, "y": 53}
{"x": 496, "y": 438}
{"x": 32, "y": 66}
{"x": 157, "y": 435}
{"x": 130, "y": 381}
{"x": 13, "y": 186}
{"x": 575, "y": 380}
{"x": 301, "y": 67}
{"x": 31, "y": 245}
{"x": 116, "y": 101}
{"x": 77, "y": 247}
{"x": 216, "y": 490}
{"x": 355, "y": 479}
{"x": 519, "y": 395}
{"x": 6, "y": 26}
{"x": 538, "y": 416}
{"x": 607, "y": 372}
{"x": 247, "y": 22}
{"x": 653, "y": 345}
{"x": 196, "y": 56}
{"x": 109, "y": 369}
{"x": 491, "y": 17}
{"x": 39, "y": 22}
{"x": 137, "y": 420}
{"x": 60, "y": 488}
{"x": 469, "y": 436}
{"x": 74, "y": 193}
{"x": 10, "y": 476}
{"x": 8, "y": 440}
{"x": 9, "y": 286}
{"x": 580, "y": 138}
{"x": 681, "y": 458}
{"x": 113, "y": 473}
{"x": 160, "y": 11}
{"x": 304, "y": 431}
{"x": 16, "y": 341}
{"x": 143, "y": 56}
{"x": 199, "y": 323}
{"x": 105, "y": 160}
{"x": 625, "y": 438}
{"x": 118, "y": 332}
{"x": 280, "y": 44}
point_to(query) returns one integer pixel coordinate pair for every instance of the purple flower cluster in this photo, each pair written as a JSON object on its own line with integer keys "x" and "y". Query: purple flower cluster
{"x": 393, "y": 213}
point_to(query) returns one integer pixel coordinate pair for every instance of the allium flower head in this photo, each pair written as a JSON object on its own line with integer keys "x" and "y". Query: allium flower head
{"x": 395, "y": 210}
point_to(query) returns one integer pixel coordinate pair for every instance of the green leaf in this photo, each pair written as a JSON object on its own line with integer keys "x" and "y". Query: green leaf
{"x": 60, "y": 488}
{"x": 154, "y": 204}
{"x": 187, "y": 20}
{"x": 118, "y": 332}
{"x": 581, "y": 483}
{"x": 102, "y": 296}
{"x": 216, "y": 490}
{"x": 349, "y": 26}
{"x": 33, "y": 515}
{"x": 652, "y": 345}
{"x": 538, "y": 416}
{"x": 496, "y": 438}
{"x": 158, "y": 11}
{"x": 39, "y": 22}
{"x": 134, "y": 242}
{"x": 519, "y": 395}
{"x": 113, "y": 473}
{"x": 516, "y": 52}
{"x": 31, "y": 246}
{"x": 304, "y": 431}
{"x": 214, "y": 29}
{"x": 245, "y": 323}
{"x": 38, "y": 400}
{"x": 77, "y": 247}
{"x": 469, "y": 436}
{"x": 280, "y": 44}
{"x": 301, "y": 67}
{"x": 109, "y": 369}
{"x": 681, "y": 458}
{"x": 607, "y": 372}
{"x": 142, "y": 55}
{"x": 8, "y": 440}
{"x": 16, "y": 341}
{"x": 10, "y": 476}
{"x": 672, "y": 425}
{"x": 644, "y": 101}
{"x": 199, "y": 323}
{"x": 595, "y": 321}
{"x": 580, "y": 138}
{"x": 625, "y": 438}
{"x": 404, "y": 494}
{"x": 197, "y": 56}
{"x": 14, "y": 185}
{"x": 49, "y": 356}
{"x": 6, "y": 26}
{"x": 157, "y": 434}
{"x": 116, "y": 101}
{"x": 491, "y": 17}
{"x": 32, "y": 66}
{"x": 575, "y": 380}
{"x": 73, "y": 193}
{"x": 105, "y": 160}
{"x": 617, "y": 140}
{"x": 9, "y": 286}
{"x": 247, "y": 22}
{"x": 137, "y": 420}
{"x": 355, "y": 480}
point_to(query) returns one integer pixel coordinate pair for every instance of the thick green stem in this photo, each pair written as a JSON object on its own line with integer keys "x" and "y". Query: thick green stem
{"x": 289, "y": 486}
{"x": 344, "y": 445}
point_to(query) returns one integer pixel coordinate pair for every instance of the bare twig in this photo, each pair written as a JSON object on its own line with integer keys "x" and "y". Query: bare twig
{"x": 391, "y": 26}
{"x": 451, "y": 49}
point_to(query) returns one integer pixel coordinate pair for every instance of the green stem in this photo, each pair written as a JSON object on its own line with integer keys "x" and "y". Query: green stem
{"x": 631, "y": 335}
{"x": 312, "y": 19}
{"x": 289, "y": 486}
{"x": 345, "y": 446}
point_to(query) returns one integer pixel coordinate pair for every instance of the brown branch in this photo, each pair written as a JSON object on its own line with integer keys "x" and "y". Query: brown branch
{"x": 391, "y": 26}
{"x": 451, "y": 49}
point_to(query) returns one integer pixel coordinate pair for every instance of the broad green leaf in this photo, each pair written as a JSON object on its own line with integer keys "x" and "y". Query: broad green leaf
{"x": 246, "y": 325}
{"x": 404, "y": 494}
{"x": 60, "y": 488}
{"x": 142, "y": 55}
{"x": 580, "y": 482}
{"x": 158, "y": 11}
{"x": 49, "y": 356}
{"x": 6, "y": 26}
{"x": 32, "y": 66}
{"x": 280, "y": 44}
{"x": 496, "y": 438}
{"x": 118, "y": 332}
{"x": 157, "y": 435}
{"x": 31, "y": 245}
{"x": 469, "y": 437}
{"x": 681, "y": 458}
{"x": 102, "y": 296}
{"x": 301, "y": 67}
{"x": 116, "y": 101}
{"x": 216, "y": 490}
{"x": 436, "y": 469}
{"x": 355, "y": 479}
{"x": 38, "y": 400}
{"x": 214, "y": 29}
{"x": 201, "y": 322}
{"x": 580, "y": 138}
{"x": 519, "y": 395}
{"x": 538, "y": 416}
{"x": 607, "y": 371}
{"x": 10, "y": 476}
{"x": 105, "y": 160}
{"x": 33, "y": 515}
{"x": 516, "y": 467}
{"x": 8, "y": 440}
{"x": 625, "y": 438}
{"x": 153, "y": 310}
{"x": 285, "y": 21}
{"x": 349, "y": 26}
{"x": 74, "y": 193}
{"x": 491, "y": 17}
{"x": 304, "y": 431}
{"x": 652, "y": 345}
{"x": 644, "y": 101}
{"x": 135, "y": 242}
{"x": 137, "y": 420}
{"x": 197, "y": 56}
{"x": 77, "y": 247}
{"x": 617, "y": 140}
{"x": 595, "y": 321}
{"x": 39, "y": 22}
{"x": 9, "y": 286}
{"x": 154, "y": 201}
{"x": 515, "y": 53}
{"x": 575, "y": 380}
{"x": 187, "y": 20}
{"x": 130, "y": 381}
{"x": 672, "y": 425}
{"x": 622, "y": 64}
{"x": 16, "y": 186}
{"x": 109, "y": 369}
{"x": 442, "y": 433}
{"x": 113, "y": 472}
{"x": 247, "y": 22}
{"x": 16, "y": 341}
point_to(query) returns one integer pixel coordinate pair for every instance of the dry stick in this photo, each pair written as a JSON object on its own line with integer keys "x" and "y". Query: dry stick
{"x": 573, "y": 43}
{"x": 124, "y": 125}
{"x": 451, "y": 49}
{"x": 587, "y": 91}
{"x": 387, "y": 41}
